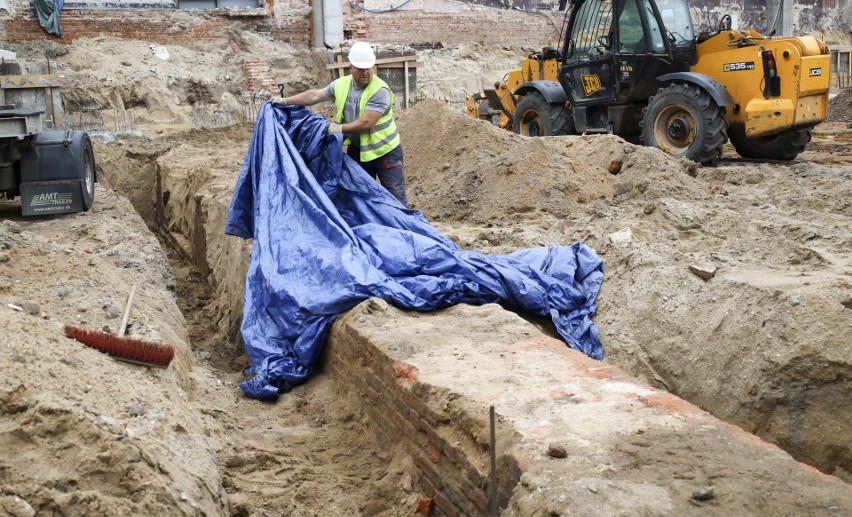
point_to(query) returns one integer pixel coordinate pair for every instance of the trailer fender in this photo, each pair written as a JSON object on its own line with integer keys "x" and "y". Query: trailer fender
{"x": 550, "y": 90}
{"x": 716, "y": 90}
{"x": 58, "y": 173}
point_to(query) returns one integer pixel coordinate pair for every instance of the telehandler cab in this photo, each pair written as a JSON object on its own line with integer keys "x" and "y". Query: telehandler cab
{"x": 635, "y": 68}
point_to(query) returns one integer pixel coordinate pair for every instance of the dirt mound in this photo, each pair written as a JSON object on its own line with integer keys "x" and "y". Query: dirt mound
{"x": 762, "y": 343}
{"x": 135, "y": 85}
{"x": 452, "y": 73}
{"x": 152, "y": 81}
{"x": 840, "y": 107}
{"x": 759, "y": 226}
{"x": 486, "y": 174}
{"x": 85, "y": 434}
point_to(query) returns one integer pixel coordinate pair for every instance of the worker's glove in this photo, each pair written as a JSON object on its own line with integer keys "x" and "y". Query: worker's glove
{"x": 334, "y": 128}
{"x": 278, "y": 100}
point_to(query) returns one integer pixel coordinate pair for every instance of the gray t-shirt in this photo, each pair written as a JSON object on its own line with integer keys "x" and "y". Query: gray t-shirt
{"x": 380, "y": 101}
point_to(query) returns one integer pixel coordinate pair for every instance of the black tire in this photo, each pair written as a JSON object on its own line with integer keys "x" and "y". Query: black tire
{"x": 683, "y": 120}
{"x": 783, "y": 146}
{"x": 88, "y": 172}
{"x": 534, "y": 116}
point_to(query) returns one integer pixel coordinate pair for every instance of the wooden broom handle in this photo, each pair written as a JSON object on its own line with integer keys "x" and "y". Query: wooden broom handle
{"x": 124, "y": 318}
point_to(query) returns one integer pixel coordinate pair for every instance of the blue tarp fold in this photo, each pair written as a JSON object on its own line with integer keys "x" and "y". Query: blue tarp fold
{"x": 326, "y": 237}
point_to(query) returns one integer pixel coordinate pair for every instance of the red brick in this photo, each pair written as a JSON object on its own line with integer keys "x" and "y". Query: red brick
{"x": 424, "y": 506}
{"x": 446, "y": 506}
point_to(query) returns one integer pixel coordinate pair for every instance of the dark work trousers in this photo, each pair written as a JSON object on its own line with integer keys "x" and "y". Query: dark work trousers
{"x": 389, "y": 169}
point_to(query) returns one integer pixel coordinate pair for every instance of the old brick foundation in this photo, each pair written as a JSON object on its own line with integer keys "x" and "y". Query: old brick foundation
{"x": 568, "y": 428}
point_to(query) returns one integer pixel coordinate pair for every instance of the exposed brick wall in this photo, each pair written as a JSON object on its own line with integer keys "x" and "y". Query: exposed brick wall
{"x": 435, "y": 21}
{"x": 154, "y": 25}
{"x": 418, "y": 23}
{"x": 259, "y": 76}
{"x": 451, "y": 23}
{"x": 452, "y": 460}
{"x": 161, "y": 26}
{"x": 489, "y": 27}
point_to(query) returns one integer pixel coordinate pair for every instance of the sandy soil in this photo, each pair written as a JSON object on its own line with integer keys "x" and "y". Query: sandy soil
{"x": 729, "y": 286}
{"x": 763, "y": 343}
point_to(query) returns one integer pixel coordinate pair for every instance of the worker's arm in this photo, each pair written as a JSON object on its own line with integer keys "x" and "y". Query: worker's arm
{"x": 306, "y": 98}
{"x": 363, "y": 124}
{"x": 377, "y": 106}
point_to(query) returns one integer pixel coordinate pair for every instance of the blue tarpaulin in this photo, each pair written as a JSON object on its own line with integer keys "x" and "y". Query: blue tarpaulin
{"x": 326, "y": 237}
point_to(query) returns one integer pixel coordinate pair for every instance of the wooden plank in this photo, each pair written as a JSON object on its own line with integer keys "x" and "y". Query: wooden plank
{"x": 842, "y": 78}
{"x": 339, "y": 59}
{"x": 398, "y": 59}
{"x": 389, "y": 62}
{"x": 402, "y": 65}
{"x": 345, "y": 66}
{"x": 12, "y": 82}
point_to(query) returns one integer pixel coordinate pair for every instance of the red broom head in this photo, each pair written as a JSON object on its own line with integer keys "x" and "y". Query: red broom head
{"x": 128, "y": 349}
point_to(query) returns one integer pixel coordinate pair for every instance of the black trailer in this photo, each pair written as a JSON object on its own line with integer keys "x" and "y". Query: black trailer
{"x": 53, "y": 172}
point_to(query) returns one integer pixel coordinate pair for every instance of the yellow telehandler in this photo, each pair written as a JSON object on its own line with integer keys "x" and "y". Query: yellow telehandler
{"x": 635, "y": 68}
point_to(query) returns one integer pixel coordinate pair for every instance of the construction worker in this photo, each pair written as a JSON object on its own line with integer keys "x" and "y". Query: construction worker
{"x": 365, "y": 117}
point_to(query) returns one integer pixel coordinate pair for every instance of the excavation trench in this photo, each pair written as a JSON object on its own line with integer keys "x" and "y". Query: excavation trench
{"x": 760, "y": 364}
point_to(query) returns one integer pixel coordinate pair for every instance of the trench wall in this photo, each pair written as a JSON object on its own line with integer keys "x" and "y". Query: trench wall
{"x": 572, "y": 436}
{"x": 195, "y": 214}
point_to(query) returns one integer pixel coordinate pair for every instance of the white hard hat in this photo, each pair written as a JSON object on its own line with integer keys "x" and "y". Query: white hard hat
{"x": 361, "y": 55}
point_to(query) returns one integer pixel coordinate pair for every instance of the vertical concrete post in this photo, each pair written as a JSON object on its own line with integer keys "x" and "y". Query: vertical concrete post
{"x": 327, "y": 22}
{"x": 848, "y": 16}
{"x": 779, "y": 16}
{"x": 786, "y": 28}
{"x": 773, "y": 16}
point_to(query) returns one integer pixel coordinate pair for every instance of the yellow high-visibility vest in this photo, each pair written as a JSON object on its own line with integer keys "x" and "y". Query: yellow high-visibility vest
{"x": 383, "y": 137}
